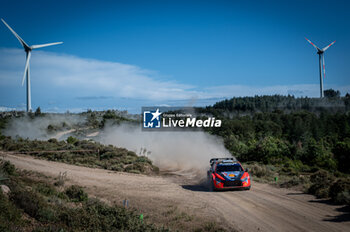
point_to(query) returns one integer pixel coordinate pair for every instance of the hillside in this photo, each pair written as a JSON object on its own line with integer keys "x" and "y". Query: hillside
{"x": 332, "y": 103}
{"x": 303, "y": 141}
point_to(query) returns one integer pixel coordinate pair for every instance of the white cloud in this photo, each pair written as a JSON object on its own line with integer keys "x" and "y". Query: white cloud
{"x": 4, "y": 108}
{"x": 78, "y": 77}
{"x": 90, "y": 76}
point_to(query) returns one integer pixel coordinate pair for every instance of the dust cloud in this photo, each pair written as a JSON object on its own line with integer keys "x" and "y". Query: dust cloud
{"x": 38, "y": 127}
{"x": 183, "y": 152}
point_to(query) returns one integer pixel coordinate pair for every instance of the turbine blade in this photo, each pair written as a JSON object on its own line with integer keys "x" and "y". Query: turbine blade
{"x": 15, "y": 34}
{"x": 312, "y": 44}
{"x": 324, "y": 66}
{"x": 325, "y": 48}
{"x": 26, "y": 67}
{"x": 44, "y": 45}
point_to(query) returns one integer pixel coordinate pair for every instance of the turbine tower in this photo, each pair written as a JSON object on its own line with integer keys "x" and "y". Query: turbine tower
{"x": 28, "y": 50}
{"x": 320, "y": 53}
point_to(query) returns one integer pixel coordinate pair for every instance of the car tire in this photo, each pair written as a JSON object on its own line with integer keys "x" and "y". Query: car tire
{"x": 211, "y": 185}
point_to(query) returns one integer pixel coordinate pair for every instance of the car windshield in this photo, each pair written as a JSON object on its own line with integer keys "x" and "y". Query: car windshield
{"x": 229, "y": 168}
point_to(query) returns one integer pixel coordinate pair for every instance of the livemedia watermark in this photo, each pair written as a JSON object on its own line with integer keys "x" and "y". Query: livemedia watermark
{"x": 175, "y": 119}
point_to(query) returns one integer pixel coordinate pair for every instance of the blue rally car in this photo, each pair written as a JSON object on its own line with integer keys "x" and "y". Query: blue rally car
{"x": 227, "y": 173}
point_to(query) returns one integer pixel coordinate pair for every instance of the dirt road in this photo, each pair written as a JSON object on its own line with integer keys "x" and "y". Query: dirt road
{"x": 178, "y": 203}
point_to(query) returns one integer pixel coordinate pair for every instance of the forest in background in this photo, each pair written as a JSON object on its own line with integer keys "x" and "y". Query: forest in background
{"x": 307, "y": 138}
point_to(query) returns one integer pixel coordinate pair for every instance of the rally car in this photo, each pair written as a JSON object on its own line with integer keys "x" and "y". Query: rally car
{"x": 227, "y": 173}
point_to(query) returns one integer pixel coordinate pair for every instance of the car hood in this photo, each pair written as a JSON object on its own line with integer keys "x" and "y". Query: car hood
{"x": 232, "y": 175}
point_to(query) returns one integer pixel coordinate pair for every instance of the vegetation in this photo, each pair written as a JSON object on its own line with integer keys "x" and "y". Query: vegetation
{"x": 34, "y": 203}
{"x": 81, "y": 152}
{"x": 302, "y": 141}
{"x": 321, "y": 141}
{"x": 76, "y": 193}
{"x": 98, "y": 119}
{"x": 249, "y": 105}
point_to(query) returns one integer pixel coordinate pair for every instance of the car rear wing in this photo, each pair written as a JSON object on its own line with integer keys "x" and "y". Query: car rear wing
{"x": 221, "y": 159}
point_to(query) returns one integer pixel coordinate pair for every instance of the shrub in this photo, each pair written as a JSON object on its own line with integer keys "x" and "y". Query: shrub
{"x": 37, "y": 111}
{"x": 321, "y": 181}
{"x": 318, "y": 154}
{"x": 46, "y": 189}
{"x": 340, "y": 191}
{"x": 72, "y": 140}
{"x": 10, "y": 216}
{"x": 29, "y": 201}
{"x": 260, "y": 170}
{"x": 210, "y": 227}
{"x": 50, "y": 128}
{"x": 294, "y": 181}
{"x": 342, "y": 154}
{"x": 342, "y": 198}
{"x": 108, "y": 155}
{"x": 8, "y": 168}
{"x": 76, "y": 193}
{"x": 53, "y": 140}
{"x": 143, "y": 159}
{"x": 47, "y": 214}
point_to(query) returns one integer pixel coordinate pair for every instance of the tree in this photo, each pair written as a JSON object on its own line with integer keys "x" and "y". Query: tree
{"x": 317, "y": 154}
{"x": 37, "y": 111}
{"x": 342, "y": 155}
{"x": 72, "y": 140}
{"x": 331, "y": 93}
{"x": 269, "y": 150}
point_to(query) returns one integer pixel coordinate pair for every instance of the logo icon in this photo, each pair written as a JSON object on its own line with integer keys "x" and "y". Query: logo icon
{"x": 151, "y": 119}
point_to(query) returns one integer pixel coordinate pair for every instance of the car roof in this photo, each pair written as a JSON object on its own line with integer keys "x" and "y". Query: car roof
{"x": 220, "y": 163}
{"x": 217, "y": 160}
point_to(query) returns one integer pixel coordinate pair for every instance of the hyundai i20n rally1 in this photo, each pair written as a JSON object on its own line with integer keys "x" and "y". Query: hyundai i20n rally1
{"x": 227, "y": 173}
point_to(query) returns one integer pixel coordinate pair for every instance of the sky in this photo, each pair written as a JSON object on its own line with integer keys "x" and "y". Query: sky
{"x": 127, "y": 54}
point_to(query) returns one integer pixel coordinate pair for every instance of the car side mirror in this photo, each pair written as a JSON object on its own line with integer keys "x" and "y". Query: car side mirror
{"x": 247, "y": 169}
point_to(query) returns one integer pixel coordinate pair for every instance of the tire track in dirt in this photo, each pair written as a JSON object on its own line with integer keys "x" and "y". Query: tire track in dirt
{"x": 173, "y": 201}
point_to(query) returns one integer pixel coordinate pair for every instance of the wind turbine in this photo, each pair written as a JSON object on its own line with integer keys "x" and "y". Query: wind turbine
{"x": 320, "y": 53}
{"x": 28, "y": 49}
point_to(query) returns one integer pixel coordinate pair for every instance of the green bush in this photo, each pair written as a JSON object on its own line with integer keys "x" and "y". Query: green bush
{"x": 268, "y": 150}
{"x": 340, "y": 191}
{"x": 72, "y": 140}
{"x": 342, "y": 198}
{"x": 294, "y": 181}
{"x": 53, "y": 140}
{"x": 210, "y": 227}
{"x": 108, "y": 155}
{"x": 7, "y": 167}
{"x": 47, "y": 214}
{"x": 321, "y": 182}
{"x": 342, "y": 155}
{"x": 76, "y": 193}
{"x": 46, "y": 189}
{"x": 260, "y": 170}
{"x": 10, "y": 216}
{"x": 29, "y": 201}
